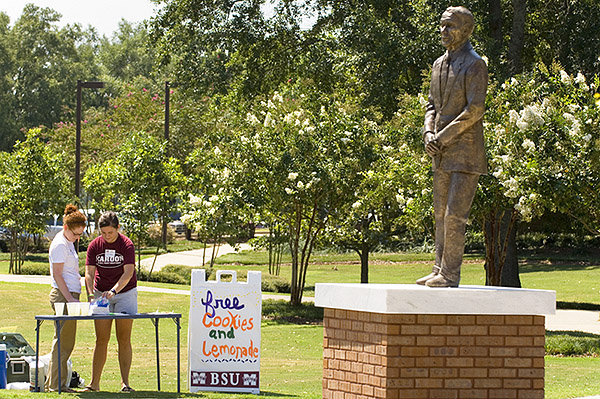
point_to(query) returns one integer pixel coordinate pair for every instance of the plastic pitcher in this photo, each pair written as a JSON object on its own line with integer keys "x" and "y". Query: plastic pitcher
{"x": 3, "y": 366}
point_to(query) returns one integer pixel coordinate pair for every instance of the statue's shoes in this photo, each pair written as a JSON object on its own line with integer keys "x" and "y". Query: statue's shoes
{"x": 423, "y": 280}
{"x": 441, "y": 281}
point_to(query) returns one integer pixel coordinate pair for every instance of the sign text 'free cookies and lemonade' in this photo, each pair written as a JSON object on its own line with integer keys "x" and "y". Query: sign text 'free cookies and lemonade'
{"x": 224, "y": 333}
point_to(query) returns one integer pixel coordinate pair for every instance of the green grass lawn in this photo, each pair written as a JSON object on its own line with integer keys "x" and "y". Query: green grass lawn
{"x": 576, "y": 279}
{"x": 575, "y": 276}
{"x": 291, "y": 354}
{"x": 291, "y": 363}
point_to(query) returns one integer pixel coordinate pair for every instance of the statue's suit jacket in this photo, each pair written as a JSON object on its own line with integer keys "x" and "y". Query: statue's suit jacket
{"x": 455, "y": 116}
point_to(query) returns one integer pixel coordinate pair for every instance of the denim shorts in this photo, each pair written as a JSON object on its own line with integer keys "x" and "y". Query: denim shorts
{"x": 123, "y": 302}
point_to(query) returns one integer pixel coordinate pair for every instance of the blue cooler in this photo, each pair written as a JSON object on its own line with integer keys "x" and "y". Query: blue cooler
{"x": 3, "y": 366}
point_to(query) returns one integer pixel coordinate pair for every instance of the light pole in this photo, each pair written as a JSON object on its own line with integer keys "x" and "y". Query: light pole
{"x": 81, "y": 85}
{"x": 168, "y": 86}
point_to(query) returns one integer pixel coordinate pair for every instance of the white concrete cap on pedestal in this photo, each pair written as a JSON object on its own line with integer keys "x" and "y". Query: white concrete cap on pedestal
{"x": 407, "y": 299}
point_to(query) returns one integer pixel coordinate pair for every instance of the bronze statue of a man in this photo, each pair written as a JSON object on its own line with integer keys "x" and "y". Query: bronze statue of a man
{"x": 453, "y": 137}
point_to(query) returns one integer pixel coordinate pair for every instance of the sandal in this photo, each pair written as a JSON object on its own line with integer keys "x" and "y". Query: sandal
{"x": 89, "y": 389}
{"x": 127, "y": 389}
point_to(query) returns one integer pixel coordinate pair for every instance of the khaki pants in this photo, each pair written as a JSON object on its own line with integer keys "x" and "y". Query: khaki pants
{"x": 67, "y": 343}
{"x": 453, "y": 194}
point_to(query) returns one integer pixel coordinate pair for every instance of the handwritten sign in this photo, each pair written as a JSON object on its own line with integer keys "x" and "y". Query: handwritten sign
{"x": 224, "y": 333}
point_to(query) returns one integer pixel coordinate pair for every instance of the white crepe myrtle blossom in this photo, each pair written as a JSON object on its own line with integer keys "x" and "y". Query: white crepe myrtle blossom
{"x": 288, "y": 118}
{"x": 533, "y": 115}
{"x": 529, "y": 145}
{"x": 195, "y": 200}
{"x": 524, "y": 209}
{"x": 356, "y": 205}
{"x": 292, "y": 176}
{"x": 400, "y": 199}
{"x": 512, "y": 187}
{"x": 289, "y": 191}
{"x": 522, "y": 125}
{"x": 268, "y": 120}
{"x": 564, "y": 77}
{"x": 581, "y": 81}
{"x": 252, "y": 119}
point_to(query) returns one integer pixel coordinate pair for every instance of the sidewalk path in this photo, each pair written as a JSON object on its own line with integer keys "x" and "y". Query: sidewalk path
{"x": 564, "y": 320}
{"x": 11, "y": 278}
{"x": 190, "y": 258}
{"x": 574, "y": 320}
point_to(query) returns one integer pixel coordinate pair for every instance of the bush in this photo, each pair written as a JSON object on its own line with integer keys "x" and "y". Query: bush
{"x": 280, "y": 311}
{"x": 155, "y": 234}
{"x": 41, "y": 269}
{"x": 173, "y": 274}
{"x": 269, "y": 283}
{"x": 168, "y": 277}
{"x": 572, "y": 343}
{"x": 278, "y": 284}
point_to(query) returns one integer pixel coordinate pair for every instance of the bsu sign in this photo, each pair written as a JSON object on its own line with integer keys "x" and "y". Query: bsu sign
{"x": 224, "y": 333}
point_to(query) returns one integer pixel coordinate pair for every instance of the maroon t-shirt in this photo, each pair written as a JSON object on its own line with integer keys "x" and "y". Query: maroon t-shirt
{"x": 109, "y": 259}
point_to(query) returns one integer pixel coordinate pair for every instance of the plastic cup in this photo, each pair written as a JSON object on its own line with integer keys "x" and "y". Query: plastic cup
{"x": 84, "y": 308}
{"x": 73, "y": 308}
{"x": 59, "y": 308}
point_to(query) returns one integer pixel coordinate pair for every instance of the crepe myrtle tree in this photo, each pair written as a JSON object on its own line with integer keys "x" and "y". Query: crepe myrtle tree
{"x": 215, "y": 208}
{"x": 33, "y": 187}
{"x": 302, "y": 164}
{"x": 541, "y": 136}
{"x": 392, "y": 187}
{"x": 142, "y": 181}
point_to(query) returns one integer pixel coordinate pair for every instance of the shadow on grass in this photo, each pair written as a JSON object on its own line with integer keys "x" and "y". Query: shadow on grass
{"x": 577, "y": 305}
{"x": 157, "y": 394}
{"x": 535, "y": 266}
{"x": 550, "y": 260}
{"x": 281, "y": 312}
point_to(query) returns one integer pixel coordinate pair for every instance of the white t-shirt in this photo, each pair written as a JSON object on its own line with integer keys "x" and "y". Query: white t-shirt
{"x": 63, "y": 251}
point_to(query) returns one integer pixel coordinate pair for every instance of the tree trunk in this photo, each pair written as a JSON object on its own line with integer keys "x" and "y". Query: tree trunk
{"x": 501, "y": 263}
{"x": 517, "y": 38}
{"x": 271, "y": 251}
{"x": 295, "y": 226}
{"x": 364, "y": 264}
{"x": 495, "y": 29}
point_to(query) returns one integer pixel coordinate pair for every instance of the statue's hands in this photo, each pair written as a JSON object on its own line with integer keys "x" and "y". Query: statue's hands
{"x": 432, "y": 148}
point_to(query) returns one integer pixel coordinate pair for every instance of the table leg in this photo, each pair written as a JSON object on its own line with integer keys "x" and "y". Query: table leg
{"x": 177, "y": 322}
{"x": 37, "y": 354}
{"x": 155, "y": 322}
{"x": 58, "y": 327}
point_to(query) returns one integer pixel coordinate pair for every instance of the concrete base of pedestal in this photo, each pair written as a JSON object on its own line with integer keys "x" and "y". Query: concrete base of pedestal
{"x": 497, "y": 352}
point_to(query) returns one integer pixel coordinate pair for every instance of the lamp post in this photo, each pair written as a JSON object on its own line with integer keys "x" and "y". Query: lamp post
{"x": 168, "y": 86}
{"x": 81, "y": 85}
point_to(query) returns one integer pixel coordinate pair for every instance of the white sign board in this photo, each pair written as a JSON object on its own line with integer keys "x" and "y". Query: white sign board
{"x": 224, "y": 333}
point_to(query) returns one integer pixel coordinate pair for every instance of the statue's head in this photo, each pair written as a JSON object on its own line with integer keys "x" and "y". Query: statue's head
{"x": 456, "y": 26}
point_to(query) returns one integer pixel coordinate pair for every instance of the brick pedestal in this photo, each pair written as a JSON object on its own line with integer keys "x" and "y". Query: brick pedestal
{"x": 415, "y": 353}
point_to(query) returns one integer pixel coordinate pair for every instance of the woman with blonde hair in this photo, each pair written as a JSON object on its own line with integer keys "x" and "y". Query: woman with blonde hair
{"x": 66, "y": 287}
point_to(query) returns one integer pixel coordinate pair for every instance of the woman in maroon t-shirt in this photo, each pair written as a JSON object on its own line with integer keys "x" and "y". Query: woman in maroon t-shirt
{"x": 110, "y": 273}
